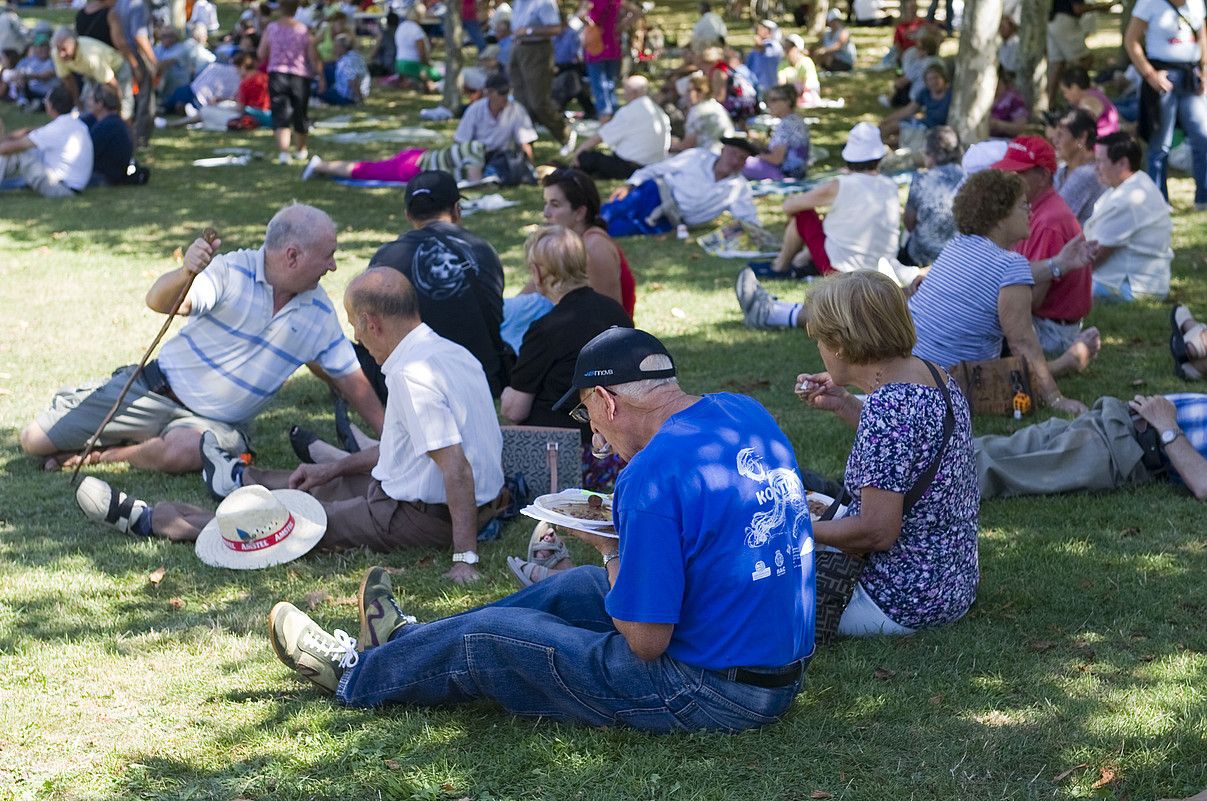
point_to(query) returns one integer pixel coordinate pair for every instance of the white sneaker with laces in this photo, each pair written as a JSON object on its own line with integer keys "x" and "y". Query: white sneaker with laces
{"x": 311, "y": 166}
{"x": 755, "y": 301}
{"x": 218, "y": 467}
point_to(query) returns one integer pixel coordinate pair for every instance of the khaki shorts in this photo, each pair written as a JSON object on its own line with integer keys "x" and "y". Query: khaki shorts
{"x": 1066, "y": 39}
{"x": 75, "y": 413}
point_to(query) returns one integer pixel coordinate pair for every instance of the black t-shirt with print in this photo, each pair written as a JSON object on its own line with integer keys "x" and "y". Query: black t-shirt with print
{"x": 545, "y": 366}
{"x": 459, "y": 281}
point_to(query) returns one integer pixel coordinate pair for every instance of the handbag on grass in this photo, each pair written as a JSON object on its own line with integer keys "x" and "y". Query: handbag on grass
{"x": 545, "y": 458}
{"x": 837, "y": 572}
{"x": 996, "y": 386}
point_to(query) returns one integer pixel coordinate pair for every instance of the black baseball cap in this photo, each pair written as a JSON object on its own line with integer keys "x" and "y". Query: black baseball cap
{"x": 498, "y": 83}
{"x": 431, "y": 192}
{"x": 614, "y": 357}
{"x": 741, "y": 142}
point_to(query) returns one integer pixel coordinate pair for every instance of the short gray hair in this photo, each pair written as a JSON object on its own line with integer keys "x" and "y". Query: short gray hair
{"x": 62, "y": 34}
{"x": 104, "y": 96}
{"x": 296, "y": 224}
{"x": 636, "y": 390}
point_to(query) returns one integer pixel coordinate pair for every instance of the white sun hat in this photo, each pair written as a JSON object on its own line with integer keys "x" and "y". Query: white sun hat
{"x": 255, "y": 527}
{"x": 863, "y": 144}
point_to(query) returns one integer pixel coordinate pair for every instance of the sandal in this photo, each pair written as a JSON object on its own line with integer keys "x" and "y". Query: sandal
{"x": 556, "y": 548}
{"x": 528, "y": 573}
{"x": 300, "y": 439}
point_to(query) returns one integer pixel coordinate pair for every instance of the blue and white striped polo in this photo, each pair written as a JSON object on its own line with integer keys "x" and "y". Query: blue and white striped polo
{"x": 955, "y": 308}
{"x": 234, "y": 353}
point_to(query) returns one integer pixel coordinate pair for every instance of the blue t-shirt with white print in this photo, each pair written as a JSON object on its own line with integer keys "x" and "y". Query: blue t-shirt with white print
{"x": 715, "y": 538}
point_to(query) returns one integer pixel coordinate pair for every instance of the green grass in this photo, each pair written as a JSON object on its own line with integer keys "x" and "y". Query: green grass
{"x": 1086, "y": 646}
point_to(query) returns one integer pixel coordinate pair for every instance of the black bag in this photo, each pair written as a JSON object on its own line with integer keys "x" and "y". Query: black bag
{"x": 837, "y": 572}
{"x": 138, "y": 175}
{"x": 511, "y": 166}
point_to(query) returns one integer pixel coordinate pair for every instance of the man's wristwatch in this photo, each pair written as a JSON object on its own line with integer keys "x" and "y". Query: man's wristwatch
{"x": 608, "y": 557}
{"x": 1054, "y": 268}
{"x": 1169, "y": 435}
{"x": 468, "y": 557}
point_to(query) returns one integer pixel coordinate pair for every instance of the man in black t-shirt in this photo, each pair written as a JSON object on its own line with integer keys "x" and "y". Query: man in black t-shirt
{"x": 456, "y": 275}
{"x": 112, "y": 147}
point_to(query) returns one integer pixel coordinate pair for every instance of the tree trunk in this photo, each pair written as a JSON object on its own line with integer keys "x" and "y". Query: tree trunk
{"x": 976, "y": 71}
{"x": 452, "y": 57}
{"x": 1124, "y": 19}
{"x": 1032, "y": 79}
{"x": 817, "y": 16}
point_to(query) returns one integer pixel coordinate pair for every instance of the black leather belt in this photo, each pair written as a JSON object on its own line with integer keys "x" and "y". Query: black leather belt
{"x": 157, "y": 382}
{"x": 771, "y": 678}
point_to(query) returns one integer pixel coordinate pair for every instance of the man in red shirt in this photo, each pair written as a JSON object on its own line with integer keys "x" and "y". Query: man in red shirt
{"x": 1060, "y": 299}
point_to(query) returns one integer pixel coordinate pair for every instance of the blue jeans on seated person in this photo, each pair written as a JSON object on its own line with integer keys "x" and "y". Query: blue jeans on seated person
{"x": 627, "y": 216}
{"x": 333, "y": 98}
{"x": 551, "y": 651}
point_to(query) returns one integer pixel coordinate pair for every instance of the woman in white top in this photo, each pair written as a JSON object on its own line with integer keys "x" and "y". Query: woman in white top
{"x": 412, "y": 53}
{"x": 1167, "y": 42}
{"x": 861, "y": 228}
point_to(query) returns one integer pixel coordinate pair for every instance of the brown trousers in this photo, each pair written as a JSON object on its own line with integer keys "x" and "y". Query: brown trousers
{"x": 531, "y": 75}
{"x": 359, "y": 514}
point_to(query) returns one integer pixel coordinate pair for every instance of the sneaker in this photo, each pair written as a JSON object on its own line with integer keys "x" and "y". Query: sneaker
{"x": 100, "y": 504}
{"x": 303, "y": 646}
{"x": 763, "y": 270}
{"x": 282, "y": 158}
{"x": 755, "y": 301}
{"x": 380, "y": 614}
{"x": 302, "y": 155}
{"x": 311, "y": 166}
{"x": 220, "y": 470}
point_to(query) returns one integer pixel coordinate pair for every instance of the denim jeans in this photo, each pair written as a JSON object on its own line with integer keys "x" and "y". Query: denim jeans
{"x": 473, "y": 32}
{"x": 551, "y": 651}
{"x": 602, "y": 75}
{"x": 1191, "y": 109}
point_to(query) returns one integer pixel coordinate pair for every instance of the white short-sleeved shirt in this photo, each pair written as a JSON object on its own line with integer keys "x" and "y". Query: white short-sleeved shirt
{"x": 407, "y": 39}
{"x": 1169, "y": 37}
{"x": 640, "y": 132}
{"x": 700, "y": 196}
{"x": 234, "y": 354}
{"x": 1133, "y": 218}
{"x": 513, "y": 126}
{"x": 438, "y": 397}
{"x": 66, "y": 150}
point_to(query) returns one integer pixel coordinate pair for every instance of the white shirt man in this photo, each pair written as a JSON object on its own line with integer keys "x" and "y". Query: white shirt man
{"x": 54, "y": 160}
{"x": 700, "y": 195}
{"x": 496, "y": 121}
{"x": 639, "y": 134}
{"x": 1131, "y": 225}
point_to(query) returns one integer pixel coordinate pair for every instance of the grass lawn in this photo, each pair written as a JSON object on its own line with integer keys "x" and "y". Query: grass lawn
{"x": 1081, "y": 672}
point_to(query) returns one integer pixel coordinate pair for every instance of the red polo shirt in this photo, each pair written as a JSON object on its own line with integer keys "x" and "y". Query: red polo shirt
{"x": 1053, "y": 225}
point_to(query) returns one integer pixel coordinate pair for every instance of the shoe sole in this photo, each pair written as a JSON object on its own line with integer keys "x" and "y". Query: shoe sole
{"x": 272, "y": 636}
{"x": 514, "y": 565}
{"x": 365, "y": 638}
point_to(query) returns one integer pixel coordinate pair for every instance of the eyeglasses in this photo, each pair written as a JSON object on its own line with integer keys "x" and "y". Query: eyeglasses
{"x": 580, "y": 414}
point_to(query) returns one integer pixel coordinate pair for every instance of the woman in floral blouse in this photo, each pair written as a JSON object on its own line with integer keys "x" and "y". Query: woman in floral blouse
{"x": 921, "y": 569}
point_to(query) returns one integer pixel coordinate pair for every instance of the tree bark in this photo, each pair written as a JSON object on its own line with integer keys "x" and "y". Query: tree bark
{"x": 1125, "y": 18}
{"x": 1032, "y": 79}
{"x": 817, "y": 17}
{"x": 975, "y": 79}
{"x": 452, "y": 57}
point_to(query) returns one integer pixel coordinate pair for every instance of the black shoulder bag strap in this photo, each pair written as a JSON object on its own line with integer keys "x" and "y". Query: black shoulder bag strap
{"x": 949, "y": 424}
{"x": 1178, "y": 11}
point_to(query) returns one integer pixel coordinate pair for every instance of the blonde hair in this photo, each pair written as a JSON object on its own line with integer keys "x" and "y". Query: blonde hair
{"x": 561, "y": 257}
{"x": 863, "y": 315}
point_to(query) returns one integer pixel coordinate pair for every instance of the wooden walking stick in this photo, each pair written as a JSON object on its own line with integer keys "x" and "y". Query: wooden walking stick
{"x": 209, "y": 235}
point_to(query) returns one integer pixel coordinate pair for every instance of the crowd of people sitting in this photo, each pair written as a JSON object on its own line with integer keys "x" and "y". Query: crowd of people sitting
{"x": 1001, "y": 248}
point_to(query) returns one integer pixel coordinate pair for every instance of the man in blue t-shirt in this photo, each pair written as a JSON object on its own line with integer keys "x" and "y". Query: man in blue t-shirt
{"x": 701, "y": 617}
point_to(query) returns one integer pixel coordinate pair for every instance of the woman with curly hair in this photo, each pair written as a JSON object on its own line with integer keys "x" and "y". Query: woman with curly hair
{"x": 977, "y": 295}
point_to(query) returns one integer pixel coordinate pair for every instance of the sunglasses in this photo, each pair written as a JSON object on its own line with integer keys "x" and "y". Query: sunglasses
{"x": 580, "y": 414}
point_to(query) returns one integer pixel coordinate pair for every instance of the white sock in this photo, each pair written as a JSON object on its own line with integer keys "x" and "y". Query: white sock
{"x": 783, "y": 314}
{"x": 362, "y": 439}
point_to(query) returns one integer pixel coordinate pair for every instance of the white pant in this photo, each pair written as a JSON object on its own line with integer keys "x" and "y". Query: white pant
{"x": 863, "y": 618}
{"x": 27, "y": 164}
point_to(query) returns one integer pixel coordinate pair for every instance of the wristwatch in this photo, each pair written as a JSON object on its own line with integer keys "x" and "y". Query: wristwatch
{"x": 1169, "y": 435}
{"x": 1054, "y": 268}
{"x": 468, "y": 557}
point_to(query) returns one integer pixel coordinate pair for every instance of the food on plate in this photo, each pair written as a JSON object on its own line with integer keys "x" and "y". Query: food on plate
{"x": 584, "y": 511}
{"x": 817, "y": 507}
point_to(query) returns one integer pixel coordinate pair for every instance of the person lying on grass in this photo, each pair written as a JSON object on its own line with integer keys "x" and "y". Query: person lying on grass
{"x": 701, "y": 617}
{"x": 254, "y": 317}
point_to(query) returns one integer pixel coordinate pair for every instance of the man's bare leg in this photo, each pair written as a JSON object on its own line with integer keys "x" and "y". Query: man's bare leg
{"x": 793, "y": 244}
{"x": 1079, "y": 355}
{"x": 175, "y": 452}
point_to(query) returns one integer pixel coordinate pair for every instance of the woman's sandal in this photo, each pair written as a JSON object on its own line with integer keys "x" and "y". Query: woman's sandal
{"x": 555, "y": 549}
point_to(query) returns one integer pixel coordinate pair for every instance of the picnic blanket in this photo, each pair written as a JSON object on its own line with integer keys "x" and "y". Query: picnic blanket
{"x": 751, "y": 242}
{"x": 791, "y": 186}
{"x": 397, "y": 135}
{"x": 368, "y": 183}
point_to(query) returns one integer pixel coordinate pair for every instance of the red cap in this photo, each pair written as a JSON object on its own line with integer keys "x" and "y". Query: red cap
{"x": 1026, "y": 152}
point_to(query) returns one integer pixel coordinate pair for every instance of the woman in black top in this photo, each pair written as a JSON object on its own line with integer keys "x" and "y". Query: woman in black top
{"x": 95, "y": 21}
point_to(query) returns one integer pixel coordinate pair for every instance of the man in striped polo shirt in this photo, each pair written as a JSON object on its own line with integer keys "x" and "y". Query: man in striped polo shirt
{"x": 255, "y": 316}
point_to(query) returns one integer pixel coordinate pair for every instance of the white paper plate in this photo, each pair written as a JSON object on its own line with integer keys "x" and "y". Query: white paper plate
{"x": 553, "y": 518}
{"x": 827, "y": 500}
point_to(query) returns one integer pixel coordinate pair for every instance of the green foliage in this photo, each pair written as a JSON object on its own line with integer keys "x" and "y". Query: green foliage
{"x": 1086, "y": 646}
